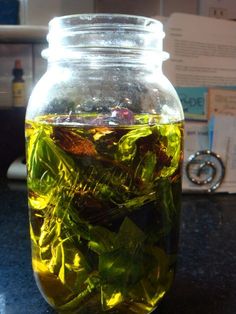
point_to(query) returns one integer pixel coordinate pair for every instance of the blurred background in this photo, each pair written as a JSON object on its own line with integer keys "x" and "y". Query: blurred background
{"x": 23, "y": 29}
{"x": 39, "y": 12}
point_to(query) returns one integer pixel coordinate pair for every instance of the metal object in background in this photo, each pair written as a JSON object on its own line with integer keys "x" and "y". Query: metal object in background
{"x": 205, "y": 168}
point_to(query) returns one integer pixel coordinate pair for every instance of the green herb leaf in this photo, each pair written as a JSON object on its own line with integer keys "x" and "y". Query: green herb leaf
{"x": 126, "y": 148}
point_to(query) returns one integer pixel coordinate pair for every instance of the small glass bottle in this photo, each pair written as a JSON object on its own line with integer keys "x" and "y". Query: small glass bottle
{"x": 104, "y": 134}
{"x": 18, "y": 85}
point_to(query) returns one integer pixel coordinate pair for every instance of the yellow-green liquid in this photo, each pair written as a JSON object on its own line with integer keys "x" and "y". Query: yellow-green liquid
{"x": 104, "y": 213}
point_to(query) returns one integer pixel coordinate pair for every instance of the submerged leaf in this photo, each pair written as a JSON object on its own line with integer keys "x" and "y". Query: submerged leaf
{"x": 47, "y": 163}
{"x": 72, "y": 142}
{"x": 130, "y": 236}
{"x": 102, "y": 240}
{"x": 110, "y": 297}
{"x": 126, "y": 148}
{"x": 173, "y": 149}
{"x": 103, "y": 205}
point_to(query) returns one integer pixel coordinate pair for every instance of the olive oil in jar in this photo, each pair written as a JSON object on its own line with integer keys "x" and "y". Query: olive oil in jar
{"x": 104, "y": 204}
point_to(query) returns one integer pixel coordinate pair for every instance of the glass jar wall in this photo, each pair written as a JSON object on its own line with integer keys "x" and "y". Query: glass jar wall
{"x": 104, "y": 133}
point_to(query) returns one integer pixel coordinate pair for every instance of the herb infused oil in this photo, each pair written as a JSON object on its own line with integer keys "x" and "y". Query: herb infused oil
{"x": 105, "y": 205}
{"x": 104, "y": 134}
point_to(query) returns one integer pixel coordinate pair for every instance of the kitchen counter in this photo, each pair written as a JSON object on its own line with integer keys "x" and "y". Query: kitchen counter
{"x": 206, "y": 275}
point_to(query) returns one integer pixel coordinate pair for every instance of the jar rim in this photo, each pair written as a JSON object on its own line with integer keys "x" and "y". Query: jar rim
{"x": 71, "y": 34}
{"x": 98, "y": 20}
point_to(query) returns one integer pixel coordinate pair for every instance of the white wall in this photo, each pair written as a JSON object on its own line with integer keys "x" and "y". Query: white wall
{"x": 180, "y": 6}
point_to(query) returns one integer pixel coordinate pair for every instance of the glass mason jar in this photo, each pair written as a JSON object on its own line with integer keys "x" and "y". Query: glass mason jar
{"x": 104, "y": 133}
